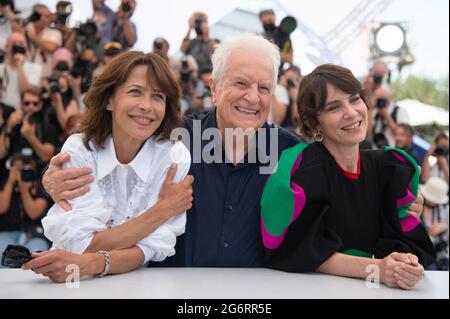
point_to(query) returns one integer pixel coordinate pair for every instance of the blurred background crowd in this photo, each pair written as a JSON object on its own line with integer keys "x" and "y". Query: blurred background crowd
{"x": 47, "y": 65}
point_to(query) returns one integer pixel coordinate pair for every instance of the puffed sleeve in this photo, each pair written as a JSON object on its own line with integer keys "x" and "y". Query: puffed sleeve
{"x": 74, "y": 230}
{"x": 401, "y": 231}
{"x": 160, "y": 244}
{"x": 294, "y": 204}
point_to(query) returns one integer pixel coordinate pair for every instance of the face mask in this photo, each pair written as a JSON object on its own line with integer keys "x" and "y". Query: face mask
{"x": 269, "y": 27}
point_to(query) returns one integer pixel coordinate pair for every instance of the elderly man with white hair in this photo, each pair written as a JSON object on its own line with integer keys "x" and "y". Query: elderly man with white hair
{"x": 223, "y": 226}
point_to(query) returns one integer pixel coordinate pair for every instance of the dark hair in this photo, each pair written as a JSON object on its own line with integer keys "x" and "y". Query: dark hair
{"x": 440, "y": 136}
{"x": 295, "y": 69}
{"x": 313, "y": 94}
{"x": 408, "y": 128}
{"x": 97, "y": 121}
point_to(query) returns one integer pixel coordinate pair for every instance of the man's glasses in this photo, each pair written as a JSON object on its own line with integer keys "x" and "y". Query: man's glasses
{"x": 28, "y": 103}
{"x": 15, "y": 256}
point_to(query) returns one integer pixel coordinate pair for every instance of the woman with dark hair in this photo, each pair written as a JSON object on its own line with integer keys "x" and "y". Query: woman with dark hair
{"x": 333, "y": 208}
{"x": 131, "y": 109}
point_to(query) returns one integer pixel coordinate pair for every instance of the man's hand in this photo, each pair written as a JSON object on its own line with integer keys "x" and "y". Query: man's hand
{"x": 437, "y": 228}
{"x": 175, "y": 198}
{"x": 19, "y": 59}
{"x": 63, "y": 185}
{"x": 14, "y": 120}
{"x": 28, "y": 130}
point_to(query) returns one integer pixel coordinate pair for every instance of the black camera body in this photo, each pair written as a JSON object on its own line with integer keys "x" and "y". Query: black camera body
{"x": 17, "y": 49}
{"x": 381, "y": 103}
{"x": 377, "y": 80}
{"x": 291, "y": 83}
{"x": 53, "y": 83}
{"x": 126, "y": 7}
{"x": 28, "y": 175}
{"x": 2, "y": 56}
{"x": 441, "y": 151}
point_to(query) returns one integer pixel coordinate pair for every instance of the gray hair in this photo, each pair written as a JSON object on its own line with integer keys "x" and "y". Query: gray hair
{"x": 246, "y": 41}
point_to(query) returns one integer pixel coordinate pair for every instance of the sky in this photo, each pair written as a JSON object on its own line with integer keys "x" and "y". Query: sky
{"x": 428, "y": 22}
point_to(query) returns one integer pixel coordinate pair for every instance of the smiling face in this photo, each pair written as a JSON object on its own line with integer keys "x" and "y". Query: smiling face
{"x": 137, "y": 108}
{"x": 343, "y": 121}
{"x": 244, "y": 93}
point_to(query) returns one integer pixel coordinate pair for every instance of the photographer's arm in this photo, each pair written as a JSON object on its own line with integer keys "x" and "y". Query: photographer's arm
{"x": 34, "y": 208}
{"x": 71, "y": 40}
{"x": 443, "y": 164}
{"x": 4, "y": 144}
{"x": 44, "y": 151}
{"x": 425, "y": 170}
{"x": 388, "y": 119}
{"x": 23, "y": 81}
{"x": 47, "y": 46}
{"x": 6, "y": 194}
{"x": 61, "y": 114}
{"x": 128, "y": 32}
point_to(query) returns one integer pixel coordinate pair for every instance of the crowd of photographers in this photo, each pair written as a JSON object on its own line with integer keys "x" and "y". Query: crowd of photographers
{"x": 46, "y": 67}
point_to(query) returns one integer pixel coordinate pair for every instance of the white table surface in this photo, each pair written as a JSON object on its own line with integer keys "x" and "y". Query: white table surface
{"x": 213, "y": 283}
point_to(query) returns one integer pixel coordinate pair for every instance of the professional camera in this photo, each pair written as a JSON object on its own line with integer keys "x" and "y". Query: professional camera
{"x": 17, "y": 49}
{"x": 87, "y": 29}
{"x": 381, "y": 102}
{"x": 126, "y": 7}
{"x": 377, "y": 80}
{"x": 185, "y": 73}
{"x": 35, "y": 16}
{"x": 62, "y": 66}
{"x": 53, "y": 84}
{"x": 2, "y": 56}
{"x": 63, "y": 11}
{"x": 198, "y": 24}
{"x": 291, "y": 83}
{"x": 441, "y": 151}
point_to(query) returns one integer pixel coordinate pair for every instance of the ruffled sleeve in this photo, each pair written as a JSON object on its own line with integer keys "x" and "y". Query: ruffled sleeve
{"x": 294, "y": 204}
{"x": 401, "y": 231}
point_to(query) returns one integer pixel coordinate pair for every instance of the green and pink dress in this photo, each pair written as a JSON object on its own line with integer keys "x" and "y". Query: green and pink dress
{"x": 312, "y": 209}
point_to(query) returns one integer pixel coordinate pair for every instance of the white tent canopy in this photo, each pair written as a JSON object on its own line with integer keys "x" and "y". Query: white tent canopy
{"x": 424, "y": 114}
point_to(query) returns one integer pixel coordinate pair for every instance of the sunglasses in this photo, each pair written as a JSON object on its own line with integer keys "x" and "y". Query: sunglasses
{"x": 28, "y": 103}
{"x": 15, "y": 256}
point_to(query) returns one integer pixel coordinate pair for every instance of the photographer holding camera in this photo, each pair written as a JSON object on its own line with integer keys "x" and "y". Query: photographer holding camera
{"x": 279, "y": 35}
{"x": 284, "y": 101}
{"x": 17, "y": 73}
{"x": 61, "y": 18}
{"x": 64, "y": 105}
{"x": 28, "y": 130}
{"x": 378, "y": 74}
{"x": 199, "y": 47}
{"x": 435, "y": 163}
{"x": 43, "y": 40}
{"x": 385, "y": 115}
{"x": 22, "y": 206}
{"x": 123, "y": 30}
{"x": 7, "y": 20}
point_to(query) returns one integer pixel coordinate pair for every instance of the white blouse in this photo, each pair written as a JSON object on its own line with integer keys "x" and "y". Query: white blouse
{"x": 119, "y": 193}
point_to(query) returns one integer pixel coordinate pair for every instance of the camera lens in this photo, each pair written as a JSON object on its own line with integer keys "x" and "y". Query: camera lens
{"x": 126, "y": 7}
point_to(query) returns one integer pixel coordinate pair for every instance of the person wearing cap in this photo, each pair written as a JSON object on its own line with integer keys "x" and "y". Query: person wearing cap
{"x": 435, "y": 219}
{"x": 110, "y": 50}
